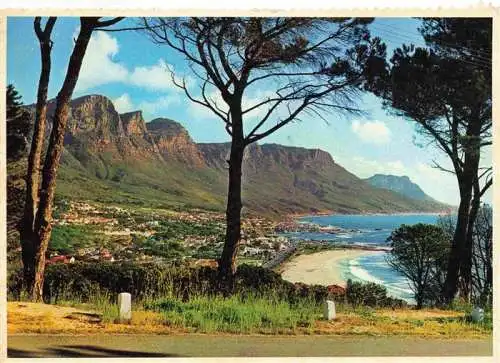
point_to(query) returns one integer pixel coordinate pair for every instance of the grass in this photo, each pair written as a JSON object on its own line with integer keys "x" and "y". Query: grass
{"x": 236, "y": 314}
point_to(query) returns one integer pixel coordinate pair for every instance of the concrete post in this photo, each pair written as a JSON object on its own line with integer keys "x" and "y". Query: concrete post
{"x": 125, "y": 306}
{"x": 329, "y": 310}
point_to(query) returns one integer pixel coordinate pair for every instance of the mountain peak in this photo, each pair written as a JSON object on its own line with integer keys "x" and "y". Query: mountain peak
{"x": 92, "y": 98}
{"x": 399, "y": 184}
{"x": 166, "y": 126}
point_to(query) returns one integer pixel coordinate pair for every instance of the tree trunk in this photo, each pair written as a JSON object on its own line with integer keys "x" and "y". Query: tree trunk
{"x": 487, "y": 292}
{"x": 460, "y": 257}
{"x": 459, "y": 262}
{"x": 28, "y": 253}
{"x": 457, "y": 248}
{"x": 471, "y": 182}
{"x": 43, "y": 225}
{"x": 466, "y": 263}
{"x": 227, "y": 261}
{"x": 27, "y": 235}
{"x": 419, "y": 296}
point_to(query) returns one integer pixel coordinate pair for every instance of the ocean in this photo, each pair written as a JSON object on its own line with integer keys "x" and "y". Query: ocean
{"x": 367, "y": 230}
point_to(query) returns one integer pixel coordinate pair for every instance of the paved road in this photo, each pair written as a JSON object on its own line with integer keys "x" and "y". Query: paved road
{"x": 32, "y": 346}
{"x": 280, "y": 257}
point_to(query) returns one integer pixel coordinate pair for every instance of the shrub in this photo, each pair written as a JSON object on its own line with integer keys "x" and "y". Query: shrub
{"x": 82, "y": 281}
{"x": 369, "y": 294}
{"x": 151, "y": 280}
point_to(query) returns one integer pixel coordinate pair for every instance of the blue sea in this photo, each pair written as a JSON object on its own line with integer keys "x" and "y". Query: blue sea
{"x": 367, "y": 230}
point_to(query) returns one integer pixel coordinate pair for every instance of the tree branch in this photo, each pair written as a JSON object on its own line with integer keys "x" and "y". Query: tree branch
{"x": 106, "y": 23}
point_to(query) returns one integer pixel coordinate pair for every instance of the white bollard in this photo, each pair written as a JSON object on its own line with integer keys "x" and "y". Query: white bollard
{"x": 125, "y": 306}
{"x": 329, "y": 310}
{"x": 477, "y": 315}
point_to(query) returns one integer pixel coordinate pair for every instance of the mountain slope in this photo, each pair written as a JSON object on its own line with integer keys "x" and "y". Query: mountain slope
{"x": 399, "y": 184}
{"x": 112, "y": 157}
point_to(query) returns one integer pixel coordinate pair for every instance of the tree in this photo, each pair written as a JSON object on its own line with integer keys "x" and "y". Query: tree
{"x": 14, "y": 102}
{"x": 27, "y": 231}
{"x": 36, "y": 226}
{"x": 311, "y": 65}
{"x": 446, "y": 90}
{"x": 420, "y": 253}
{"x": 18, "y": 124}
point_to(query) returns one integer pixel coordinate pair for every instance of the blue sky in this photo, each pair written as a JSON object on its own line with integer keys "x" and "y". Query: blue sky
{"x": 131, "y": 70}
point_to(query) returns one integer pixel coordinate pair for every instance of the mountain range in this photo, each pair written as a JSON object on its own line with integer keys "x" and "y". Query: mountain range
{"x": 118, "y": 157}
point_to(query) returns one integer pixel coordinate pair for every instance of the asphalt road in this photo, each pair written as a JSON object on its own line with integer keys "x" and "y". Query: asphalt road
{"x": 34, "y": 346}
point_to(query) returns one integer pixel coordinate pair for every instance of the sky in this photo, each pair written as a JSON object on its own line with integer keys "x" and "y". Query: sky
{"x": 133, "y": 72}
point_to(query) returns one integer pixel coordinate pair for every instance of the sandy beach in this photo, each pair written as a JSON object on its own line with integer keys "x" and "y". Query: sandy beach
{"x": 322, "y": 268}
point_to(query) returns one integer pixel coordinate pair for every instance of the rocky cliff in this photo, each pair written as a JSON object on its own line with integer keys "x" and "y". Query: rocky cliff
{"x": 159, "y": 162}
{"x": 174, "y": 142}
{"x": 133, "y": 123}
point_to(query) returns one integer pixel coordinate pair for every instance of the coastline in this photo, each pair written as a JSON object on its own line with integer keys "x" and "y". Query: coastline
{"x": 322, "y": 268}
{"x": 332, "y": 213}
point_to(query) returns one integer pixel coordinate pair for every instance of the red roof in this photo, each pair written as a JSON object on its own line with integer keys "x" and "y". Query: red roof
{"x": 56, "y": 259}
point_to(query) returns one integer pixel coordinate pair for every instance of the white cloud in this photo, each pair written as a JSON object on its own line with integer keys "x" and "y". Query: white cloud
{"x": 98, "y": 66}
{"x": 374, "y": 132}
{"x": 428, "y": 172}
{"x": 150, "y": 109}
{"x": 155, "y": 77}
{"x": 365, "y": 168}
{"x": 123, "y": 103}
{"x": 160, "y": 104}
{"x": 198, "y": 111}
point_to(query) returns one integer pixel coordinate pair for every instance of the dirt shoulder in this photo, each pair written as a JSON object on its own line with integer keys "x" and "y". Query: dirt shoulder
{"x": 31, "y": 318}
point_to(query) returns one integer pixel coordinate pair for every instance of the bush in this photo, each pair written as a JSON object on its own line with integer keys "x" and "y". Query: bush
{"x": 141, "y": 280}
{"x": 81, "y": 281}
{"x": 369, "y": 294}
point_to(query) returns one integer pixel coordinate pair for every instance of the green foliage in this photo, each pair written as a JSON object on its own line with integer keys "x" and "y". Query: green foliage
{"x": 19, "y": 124}
{"x": 420, "y": 252}
{"x": 14, "y": 102}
